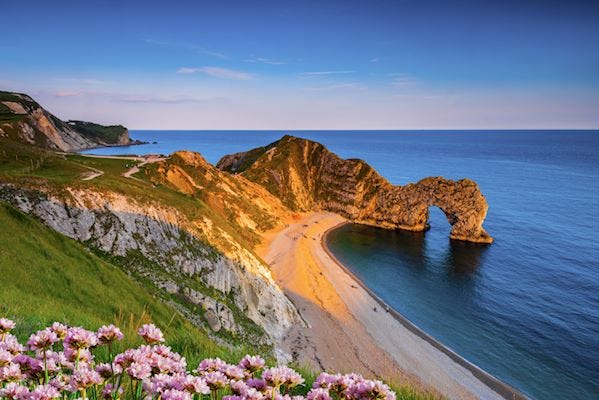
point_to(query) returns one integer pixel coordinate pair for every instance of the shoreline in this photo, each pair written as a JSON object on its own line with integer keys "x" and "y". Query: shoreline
{"x": 348, "y": 329}
{"x": 502, "y": 388}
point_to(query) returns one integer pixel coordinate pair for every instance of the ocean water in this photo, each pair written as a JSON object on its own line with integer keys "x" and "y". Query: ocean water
{"x": 525, "y": 308}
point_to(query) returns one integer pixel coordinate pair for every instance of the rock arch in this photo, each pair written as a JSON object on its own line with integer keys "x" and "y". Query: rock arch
{"x": 406, "y": 207}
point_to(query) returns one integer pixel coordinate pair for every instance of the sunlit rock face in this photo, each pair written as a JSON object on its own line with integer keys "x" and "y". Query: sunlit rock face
{"x": 306, "y": 176}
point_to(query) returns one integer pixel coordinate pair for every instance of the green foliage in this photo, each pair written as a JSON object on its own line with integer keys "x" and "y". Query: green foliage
{"x": 107, "y": 134}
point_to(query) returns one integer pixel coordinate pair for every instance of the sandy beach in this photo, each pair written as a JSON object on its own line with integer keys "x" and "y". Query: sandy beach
{"x": 348, "y": 329}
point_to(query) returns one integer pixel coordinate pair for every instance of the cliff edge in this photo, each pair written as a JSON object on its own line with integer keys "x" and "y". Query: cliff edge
{"x": 306, "y": 176}
{"x": 22, "y": 119}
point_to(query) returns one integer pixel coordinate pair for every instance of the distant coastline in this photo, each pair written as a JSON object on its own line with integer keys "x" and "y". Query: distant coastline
{"x": 502, "y": 388}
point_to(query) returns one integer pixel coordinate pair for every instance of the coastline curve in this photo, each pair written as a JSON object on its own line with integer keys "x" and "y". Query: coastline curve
{"x": 503, "y": 389}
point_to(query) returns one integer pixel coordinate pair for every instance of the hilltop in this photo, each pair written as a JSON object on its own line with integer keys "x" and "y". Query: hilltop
{"x": 306, "y": 176}
{"x": 22, "y": 119}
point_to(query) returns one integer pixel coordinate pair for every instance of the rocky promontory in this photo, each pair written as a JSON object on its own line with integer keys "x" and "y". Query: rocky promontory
{"x": 308, "y": 177}
{"x": 22, "y": 119}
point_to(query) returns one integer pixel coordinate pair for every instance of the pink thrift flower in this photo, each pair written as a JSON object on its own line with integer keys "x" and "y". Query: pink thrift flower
{"x": 109, "y": 391}
{"x": 5, "y": 357}
{"x": 139, "y": 371}
{"x": 194, "y": 384}
{"x": 6, "y": 325}
{"x": 59, "y": 329}
{"x": 79, "y": 338}
{"x": 173, "y": 394}
{"x": 278, "y": 376}
{"x": 151, "y": 334}
{"x": 216, "y": 380}
{"x": 108, "y": 334}
{"x": 11, "y": 373}
{"x": 211, "y": 365}
{"x": 44, "y": 392}
{"x": 252, "y": 363}
{"x": 14, "y": 391}
{"x": 83, "y": 378}
{"x": 42, "y": 340}
{"x": 11, "y": 344}
{"x": 318, "y": 394}
{"x": 106, "y": 370}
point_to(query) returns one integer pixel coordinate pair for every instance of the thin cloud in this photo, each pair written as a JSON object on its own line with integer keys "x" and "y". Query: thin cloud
{"x": 67, "y": 93}
{"x": 348, "y": 85}
{"x": 320, "y": 73}
{"x": 263, "y": 60}
{"x": 217, "y": 72}
{"x": 374, "y": 60}
{"x": 85, "y": 81}
{"x": 158, "y": 99}
{"x": 188, "y": 46}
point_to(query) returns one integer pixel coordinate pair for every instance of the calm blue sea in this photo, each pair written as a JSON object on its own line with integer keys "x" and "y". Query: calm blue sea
{"x": 525, "y": 308}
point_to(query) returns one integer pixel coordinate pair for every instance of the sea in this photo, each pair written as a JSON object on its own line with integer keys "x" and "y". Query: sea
{"x": 525, "y": 308}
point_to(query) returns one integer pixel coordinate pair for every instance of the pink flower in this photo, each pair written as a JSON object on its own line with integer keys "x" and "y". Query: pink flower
{"x": 173, "y": 394}
{"x": 11, "y": 344}
{"x": 194, "y": 384}
{"x": 44, "y": 392}
{"x": 139, "y": 371}
{"x": 42, "y": 340}
{"x": 83, "y": 378}
{"x": 109, "y": 391}
{"x": 278, "y": 376}
{"x": 59, "y": 329}
{"x": 5, "y": 357}
{"x": 216, "y": 380}
{"x": 211, "y": 365}
{"x": 233, "y": 372}
{"x": 252, "y": 363}
{"x": 108, "y": 334}
{"x": 258, "y": 384}
{"x": 318, "y": 394}
{"x": 14, "y": 391}
{"x": 6, "y": 325}
{"x": 106, "y": 370}
{"x": 79, "y": 338}
{"x": 151, "y": 334}
{"x": 11, "y": 373}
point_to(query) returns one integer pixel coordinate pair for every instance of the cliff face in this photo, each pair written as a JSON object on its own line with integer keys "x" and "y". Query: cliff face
{"x": 194, "y": 264}
{"x": 24, "y": 120}
{"x": 306, "y": 176}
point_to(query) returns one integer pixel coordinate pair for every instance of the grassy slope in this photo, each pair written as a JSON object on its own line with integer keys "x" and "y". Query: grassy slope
{"x": 107, "y": 134}
{"x": 48, "y": 277}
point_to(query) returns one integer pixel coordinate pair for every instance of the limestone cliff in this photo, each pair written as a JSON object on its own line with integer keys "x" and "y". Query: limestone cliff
{"x": 306, "y": 176}
{"x": 194, "y": 264}
{"x": 22, "y": 119}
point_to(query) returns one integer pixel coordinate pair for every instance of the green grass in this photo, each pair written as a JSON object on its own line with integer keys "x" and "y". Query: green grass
{"x": 48, "y": 277}
{"x": 106, "y": 134}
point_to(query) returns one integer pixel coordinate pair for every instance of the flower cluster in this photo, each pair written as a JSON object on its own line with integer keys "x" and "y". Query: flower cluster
{"x": 59, "y": 363}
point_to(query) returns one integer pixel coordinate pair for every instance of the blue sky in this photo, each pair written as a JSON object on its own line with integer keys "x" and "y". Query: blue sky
{"x": 307, "y": 64}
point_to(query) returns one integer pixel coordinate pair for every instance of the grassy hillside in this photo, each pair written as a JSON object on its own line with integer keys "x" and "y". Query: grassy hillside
{"x": 106, "y": 134}
{"x": 48, "y": 277}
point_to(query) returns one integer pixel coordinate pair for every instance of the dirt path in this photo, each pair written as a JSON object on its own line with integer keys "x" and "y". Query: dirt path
{"x": 143, "y": 160}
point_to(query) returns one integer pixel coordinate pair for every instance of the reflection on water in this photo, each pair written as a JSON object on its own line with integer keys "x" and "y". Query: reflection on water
{"x": 410, "y": 249}
{"x": 465, "y": 258}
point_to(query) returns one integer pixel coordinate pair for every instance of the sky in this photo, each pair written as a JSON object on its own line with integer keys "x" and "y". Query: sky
{"x": 307, "y": 64}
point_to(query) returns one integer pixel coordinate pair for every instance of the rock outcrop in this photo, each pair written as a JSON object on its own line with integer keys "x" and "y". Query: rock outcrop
{"x": 24, "y": 120}
{"x": 306, "y": 176}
